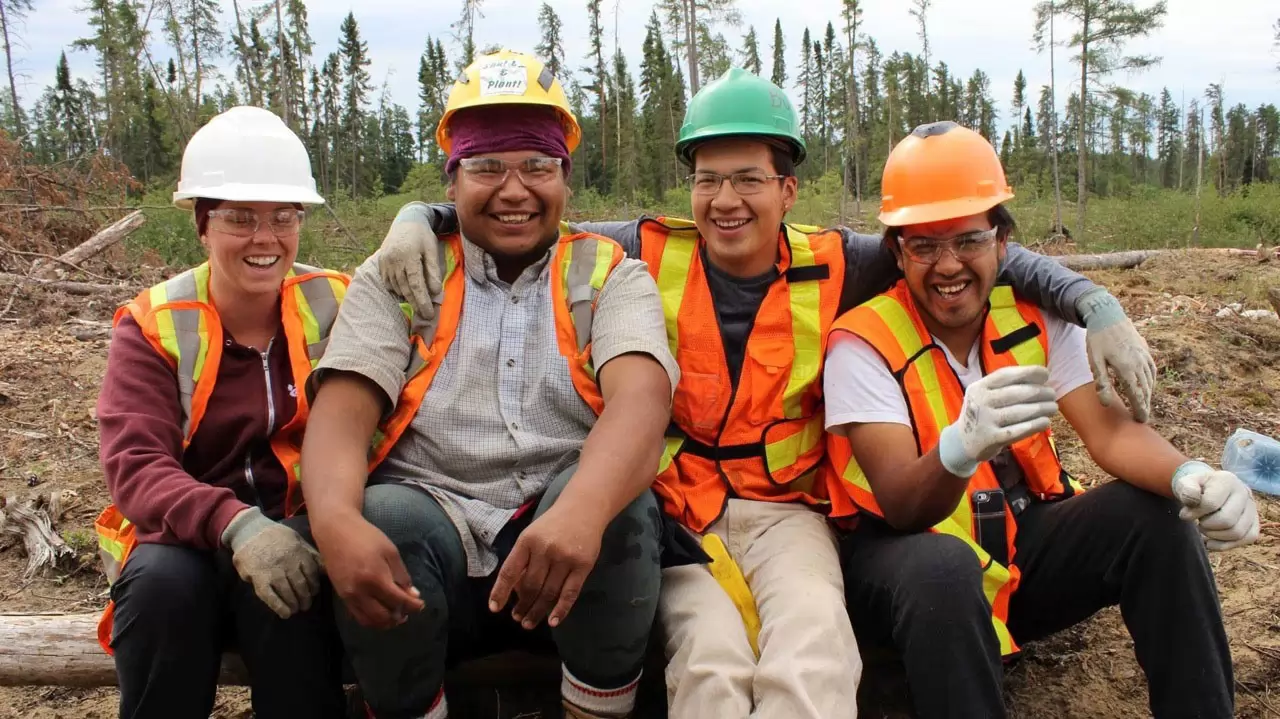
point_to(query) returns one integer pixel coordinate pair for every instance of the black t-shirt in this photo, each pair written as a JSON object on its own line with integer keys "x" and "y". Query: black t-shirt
{"x": 737, "y": 299}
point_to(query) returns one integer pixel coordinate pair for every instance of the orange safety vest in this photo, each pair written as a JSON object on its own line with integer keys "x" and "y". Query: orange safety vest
{"x": 763, "y": 439}
{"x": 181, "y": 324}
{"x": 1012, "y": 335}
{"x": 579, "y": 269}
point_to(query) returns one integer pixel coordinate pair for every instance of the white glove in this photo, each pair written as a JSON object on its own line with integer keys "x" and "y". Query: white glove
{"x": 1007, "y": 405}
{"x": 1220, "y": 503}
{"x": 284, "y": 570}
{"x": 1115, "y": 346}
{"x": 409, "y": 260}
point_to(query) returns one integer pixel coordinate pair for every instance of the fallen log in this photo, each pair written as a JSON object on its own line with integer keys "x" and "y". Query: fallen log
{"x": 71, "y": 288}
{"x": 62, "y": 650}
{"x": 103, "y": 239}
{"x": 1107, "y": 261}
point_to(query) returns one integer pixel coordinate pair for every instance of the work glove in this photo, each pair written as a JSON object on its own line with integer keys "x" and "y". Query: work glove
{"x": 1115, "y": 346}
{"x": 409, "y": 260}
{"x": 1220, "y": 503}
{"x": 283, "y": 569}
{"x": 1003, "y": 407}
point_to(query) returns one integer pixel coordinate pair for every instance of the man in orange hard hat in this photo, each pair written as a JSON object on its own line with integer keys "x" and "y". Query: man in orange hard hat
{"x": 971, "y": 536}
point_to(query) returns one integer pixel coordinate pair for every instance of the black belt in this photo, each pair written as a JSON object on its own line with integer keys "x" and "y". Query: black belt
{"x": 721, "y": 453}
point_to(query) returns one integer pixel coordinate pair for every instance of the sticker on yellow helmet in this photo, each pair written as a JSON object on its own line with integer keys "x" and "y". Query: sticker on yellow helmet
{"x": 505, "y": 76}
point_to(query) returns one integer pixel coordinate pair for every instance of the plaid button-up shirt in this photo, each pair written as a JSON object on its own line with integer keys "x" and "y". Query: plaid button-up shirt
{"x": 502, "y": 417}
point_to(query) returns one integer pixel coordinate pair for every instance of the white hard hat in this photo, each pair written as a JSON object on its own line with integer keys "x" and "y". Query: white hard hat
{"x": 246, "y": 154}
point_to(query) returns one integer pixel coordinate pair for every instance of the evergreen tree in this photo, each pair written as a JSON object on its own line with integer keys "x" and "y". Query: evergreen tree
{"x": 597, "y": 158}
{"x": 1169, "y": 140}
{"x": 779, "y": 74}
{"x": 1103, "y": 28}
{"x": 751, "y": 52}
{"x": 626, "y": 170}
{"x": 1019, "y": 102}
{"x": 13, "y": 13}
{"x": 434, "y": 82}
{"x": 551, "y": 48}
{"x": 354, "y": 54}
{"x": 465, "y": 30}
{"x": 805, "y": 84}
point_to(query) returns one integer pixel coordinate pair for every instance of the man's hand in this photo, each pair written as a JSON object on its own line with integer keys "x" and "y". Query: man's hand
{"x": 283, "y": 569}
{"x": 1220, "y": 503}
{"x": 1003, "y": 407}
{"x": 409, "y": 260}
{"x": 367, "y": 573}
{"x": 548, "y": 565}
{"x": 1115, "y": 346}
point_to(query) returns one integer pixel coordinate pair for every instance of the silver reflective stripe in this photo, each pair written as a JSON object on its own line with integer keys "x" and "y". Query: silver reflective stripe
{"x": 324, "y": 307}
{"x": 316, "y": 351}
{"x": 182, "y": 288}
{"x": 580, "y": 293}
{"x": 186, "y": 327}
{"x": 301, "y": 269}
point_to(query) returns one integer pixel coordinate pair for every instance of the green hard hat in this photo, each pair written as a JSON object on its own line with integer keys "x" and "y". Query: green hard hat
{"x": 740, "y": 103}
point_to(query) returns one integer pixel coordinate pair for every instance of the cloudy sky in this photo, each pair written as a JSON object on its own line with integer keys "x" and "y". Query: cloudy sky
{"x": 1202, "y": 41}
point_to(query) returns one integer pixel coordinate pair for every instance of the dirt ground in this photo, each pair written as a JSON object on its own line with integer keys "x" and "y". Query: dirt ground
{"x": 1216, "y": 374}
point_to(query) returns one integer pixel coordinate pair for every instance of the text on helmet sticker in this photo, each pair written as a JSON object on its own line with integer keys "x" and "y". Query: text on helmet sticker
{"x": 503, "y": 77}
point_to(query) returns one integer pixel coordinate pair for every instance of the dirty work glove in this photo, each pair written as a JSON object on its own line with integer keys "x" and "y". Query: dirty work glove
{"x": 1115, "y": 346}
{"x": 409, "y": 259}
{"x": 1219, "y": 502}
{"x": 283, "y": 569}
{"x": 1007, "y": 405}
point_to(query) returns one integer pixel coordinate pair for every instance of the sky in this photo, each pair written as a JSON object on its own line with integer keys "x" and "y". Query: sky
{"x": 1202, "y": 41}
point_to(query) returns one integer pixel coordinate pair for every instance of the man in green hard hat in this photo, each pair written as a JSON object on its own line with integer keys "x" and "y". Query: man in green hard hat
{"x": 761, "y": 630}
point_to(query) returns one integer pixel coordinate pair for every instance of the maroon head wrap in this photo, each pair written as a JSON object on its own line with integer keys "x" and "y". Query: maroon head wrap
{"x": 507, "y": 128}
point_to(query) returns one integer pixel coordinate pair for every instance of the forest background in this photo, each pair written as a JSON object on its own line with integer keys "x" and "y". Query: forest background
{"x": 1090, "y": 157}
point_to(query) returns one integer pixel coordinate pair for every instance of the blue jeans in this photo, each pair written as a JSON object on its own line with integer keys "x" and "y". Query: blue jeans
{"x": 601, "y": 642}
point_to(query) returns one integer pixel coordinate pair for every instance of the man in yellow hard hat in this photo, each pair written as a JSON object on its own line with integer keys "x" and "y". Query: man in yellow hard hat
{"x": 515, "y": 429}
{"x": 748, "y": 301}
{"x": 971, "y": 536}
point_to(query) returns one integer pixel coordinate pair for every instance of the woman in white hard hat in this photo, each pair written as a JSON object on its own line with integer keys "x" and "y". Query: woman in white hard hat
{"x": 200, "y": 419}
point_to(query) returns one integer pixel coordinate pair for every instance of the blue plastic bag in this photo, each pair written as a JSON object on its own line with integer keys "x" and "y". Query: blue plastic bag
{"x": 1254, "y": 458}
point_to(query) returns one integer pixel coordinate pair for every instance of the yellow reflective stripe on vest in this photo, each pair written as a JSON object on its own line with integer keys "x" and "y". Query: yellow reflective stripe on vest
{"x": 1007, "y": 320}
{"x": 673, "y": 276}
{"x": 908, "y": 338}
{"x": 786, "y": 452}
{"x": 670, "y": 447}
{"x": 806, "y": 328}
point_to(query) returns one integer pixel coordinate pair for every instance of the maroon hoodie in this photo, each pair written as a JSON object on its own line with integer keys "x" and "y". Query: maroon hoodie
{"x": 189, "y": 497}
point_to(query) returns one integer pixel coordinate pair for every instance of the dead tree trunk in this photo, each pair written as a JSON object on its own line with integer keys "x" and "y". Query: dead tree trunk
{"x": 62, "y": 650}
{"x": 106, "y": 237}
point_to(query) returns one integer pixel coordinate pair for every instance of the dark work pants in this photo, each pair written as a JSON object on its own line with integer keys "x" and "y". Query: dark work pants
{"x": 1117, "y": 544}
{"x": 178, "y": 608}
{"x": 601, "y": 642}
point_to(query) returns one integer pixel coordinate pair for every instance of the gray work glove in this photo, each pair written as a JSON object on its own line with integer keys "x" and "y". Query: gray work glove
{"x": 409, "y": 260}
{"x": 1220, "y": 504}
{"x": 1115, "y": 346}
{"x": 283, "y": 569}
{"x": 1003, "y": 407}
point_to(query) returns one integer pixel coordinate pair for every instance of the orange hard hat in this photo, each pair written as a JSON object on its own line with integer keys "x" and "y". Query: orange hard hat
{"x": 941, "y": 171}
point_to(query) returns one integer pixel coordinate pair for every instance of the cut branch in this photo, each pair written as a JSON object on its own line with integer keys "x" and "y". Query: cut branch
{"x": 71, "y": 288}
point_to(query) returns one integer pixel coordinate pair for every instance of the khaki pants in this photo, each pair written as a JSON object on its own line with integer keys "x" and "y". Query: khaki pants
{"x": 809, "y": 665}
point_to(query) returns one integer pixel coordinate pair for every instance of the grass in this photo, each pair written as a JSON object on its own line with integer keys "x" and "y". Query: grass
{"x": 1148, "y": 218}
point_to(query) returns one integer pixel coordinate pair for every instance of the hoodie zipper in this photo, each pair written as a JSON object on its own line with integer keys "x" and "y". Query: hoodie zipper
{"x": 271, "y": 420}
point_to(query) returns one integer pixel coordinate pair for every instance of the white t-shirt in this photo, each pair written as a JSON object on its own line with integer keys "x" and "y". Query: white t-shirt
{"x": 859, "y": 388}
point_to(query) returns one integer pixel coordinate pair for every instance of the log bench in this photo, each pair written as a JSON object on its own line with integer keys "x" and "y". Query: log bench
{"x": 62, "y": 650}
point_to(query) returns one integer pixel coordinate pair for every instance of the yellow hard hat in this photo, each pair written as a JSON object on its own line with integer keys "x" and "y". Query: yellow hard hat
{"x": 507, "y": 77}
